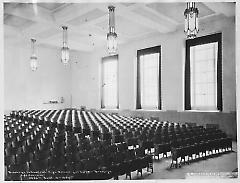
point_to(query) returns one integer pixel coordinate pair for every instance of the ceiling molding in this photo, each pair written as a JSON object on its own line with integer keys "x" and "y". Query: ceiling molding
{"x": 128, "y": 13}
{"x": 88, "y": 22}
{"x": 72, "y": 11}
{"x": 163, "y": 18}
{"x": 228, "y": 9}
{"x": 31, "y": 12}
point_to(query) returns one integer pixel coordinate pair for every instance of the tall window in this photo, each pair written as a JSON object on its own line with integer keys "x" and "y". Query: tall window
{"x": 149, "y": 78}
{"x": 110, "y": 82}
{"x": 203, "y": 79}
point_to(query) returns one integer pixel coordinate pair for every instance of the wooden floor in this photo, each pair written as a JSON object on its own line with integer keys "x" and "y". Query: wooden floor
{"x": 220, "y": 165}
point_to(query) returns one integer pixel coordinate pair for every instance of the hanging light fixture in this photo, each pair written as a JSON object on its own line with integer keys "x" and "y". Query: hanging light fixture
{"x": 111, "y": 36}
{"x": 65, "y": 49}
{"x": 191, "y": 20}
{"x": 33, "y": 58}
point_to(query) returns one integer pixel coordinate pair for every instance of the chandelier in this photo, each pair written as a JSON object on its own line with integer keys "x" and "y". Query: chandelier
{"x": 191, "y": 20}
{"x": 65, "y": 49}
{"x": 33, "y": 58}
{"x": 111, "y": 36}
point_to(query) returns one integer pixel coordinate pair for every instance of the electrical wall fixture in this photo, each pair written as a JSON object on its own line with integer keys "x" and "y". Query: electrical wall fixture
{"x": 33, "y": 58}
{"x": 191, "y": 20}
{"x": 111, "y": 35}
{"x": 65, "y": 49}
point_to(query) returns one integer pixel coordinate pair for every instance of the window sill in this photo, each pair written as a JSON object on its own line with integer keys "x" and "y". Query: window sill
{"x": 109, "y": 109}
{"x": 150, "y": 110}
{"x": 201, "y": 110}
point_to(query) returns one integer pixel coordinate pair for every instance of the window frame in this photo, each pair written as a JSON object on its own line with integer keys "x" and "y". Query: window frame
{"x": 217, "y": 37}
{"x": 107, "y": 59}
{"x": 151, "y": 50}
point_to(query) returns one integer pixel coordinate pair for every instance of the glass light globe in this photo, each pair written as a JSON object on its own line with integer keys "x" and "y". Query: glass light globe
{"x": 33, "y": 63}
{"x": 112, "y": 42}
{"x": 65, "y": 55}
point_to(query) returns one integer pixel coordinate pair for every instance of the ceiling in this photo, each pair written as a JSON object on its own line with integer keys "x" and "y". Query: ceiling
{"x": 88, "y": 22}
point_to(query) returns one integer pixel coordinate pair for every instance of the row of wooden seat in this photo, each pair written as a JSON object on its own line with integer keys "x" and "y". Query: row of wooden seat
{"x": 120, "y": 127}
{"x": 156, "y": 137}
{"x": 105, "y": 123}
{"x": 199, "y": 150}
{"x": 129, "y": 127}
{"x": 56, "y": 148}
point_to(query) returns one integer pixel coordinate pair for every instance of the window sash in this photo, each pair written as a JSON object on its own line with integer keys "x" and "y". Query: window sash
{"x": 149, "y": 80}
{"x": 145, "y": 72}
{"x": 218, "y": 72}
{"x": 203, "y": 64}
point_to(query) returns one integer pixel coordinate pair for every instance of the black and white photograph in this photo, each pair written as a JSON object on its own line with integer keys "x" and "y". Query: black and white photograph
{"x": 119, "y": 90}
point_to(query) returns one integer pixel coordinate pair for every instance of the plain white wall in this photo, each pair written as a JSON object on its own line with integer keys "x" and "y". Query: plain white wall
{"x": 25, "y": 89}
{"x": 79, "y": 83}
{"x": 85, "y": 80}
{"x": 86, "y": 77}
{"x": 86, "y": 73}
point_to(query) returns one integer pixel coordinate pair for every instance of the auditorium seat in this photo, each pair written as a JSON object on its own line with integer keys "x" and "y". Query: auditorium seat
{"x": 132, "y": 162}
{"x": 68, "y": 139}
{"x": 145, "y": 160}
